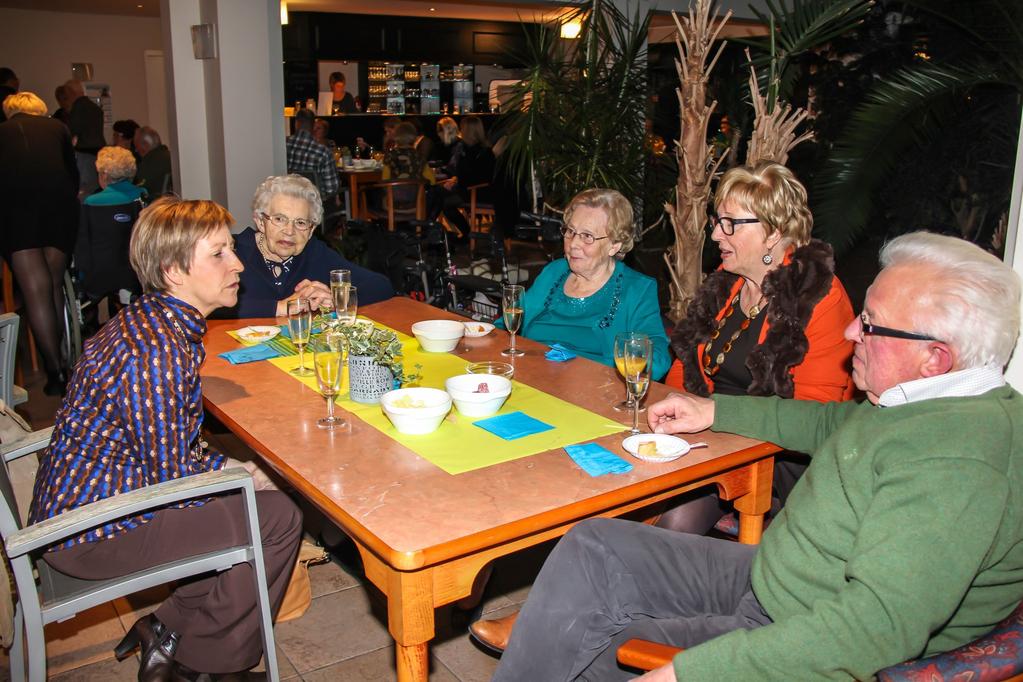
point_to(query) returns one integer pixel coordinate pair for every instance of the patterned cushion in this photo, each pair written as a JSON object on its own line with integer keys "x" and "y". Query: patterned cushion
{"x": 996, "y": 656}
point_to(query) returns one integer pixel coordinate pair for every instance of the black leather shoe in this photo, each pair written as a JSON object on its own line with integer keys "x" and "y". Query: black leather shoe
{"x": 243, "y": 676}
{"x": 157, "y": 645}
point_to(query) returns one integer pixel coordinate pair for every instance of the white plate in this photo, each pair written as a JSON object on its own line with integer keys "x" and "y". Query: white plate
{"x": 668, "y": 447}
{"x": 476, "y": 329}
{"x": 258, "y": 333}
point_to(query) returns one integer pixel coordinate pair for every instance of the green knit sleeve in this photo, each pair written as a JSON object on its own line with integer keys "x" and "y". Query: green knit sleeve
{"x": 799, "y": 425}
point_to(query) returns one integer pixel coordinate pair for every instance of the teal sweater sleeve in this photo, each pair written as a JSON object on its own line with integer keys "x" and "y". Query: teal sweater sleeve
{"x": 643, "y": 314}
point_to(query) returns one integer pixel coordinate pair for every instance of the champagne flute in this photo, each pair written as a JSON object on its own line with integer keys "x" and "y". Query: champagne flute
{"x": 346, "y": 304}
{"x": 637, "y": 356}
{"x": 621, "y": 343}
{"x": 330, "y": 366}
{"x": 339, "y": 280}
{"x": 300, "y": 324}
{"x": 512, "y": 303}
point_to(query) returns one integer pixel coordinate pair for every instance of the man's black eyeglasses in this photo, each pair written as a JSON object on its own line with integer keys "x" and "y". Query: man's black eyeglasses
{"x": 728, "y": 224}
{"x": 877, "y": 330}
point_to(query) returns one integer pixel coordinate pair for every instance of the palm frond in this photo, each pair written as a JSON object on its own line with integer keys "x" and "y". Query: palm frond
{"x": 908, "y": 109}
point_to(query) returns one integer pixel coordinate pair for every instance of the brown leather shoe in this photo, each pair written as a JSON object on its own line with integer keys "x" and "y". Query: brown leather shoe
{"x": 495, "y": 633}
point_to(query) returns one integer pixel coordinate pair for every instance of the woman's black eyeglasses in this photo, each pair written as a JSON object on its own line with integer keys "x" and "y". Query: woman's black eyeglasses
{"x": 877, "y": 330}
{"x": 727, "y": 225}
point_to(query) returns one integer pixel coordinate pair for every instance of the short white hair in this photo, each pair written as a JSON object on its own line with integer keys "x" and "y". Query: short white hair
{"x": 292, "y": 186}
{"x": 973, "y": 304}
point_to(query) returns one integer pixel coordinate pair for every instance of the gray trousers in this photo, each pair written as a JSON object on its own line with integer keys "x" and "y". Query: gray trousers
{"x": 609, "y": 581}
{"x": 217, "y": 616}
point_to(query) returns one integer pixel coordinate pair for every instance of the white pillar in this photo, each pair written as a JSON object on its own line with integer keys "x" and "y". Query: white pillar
{"x": 228, "y": 127}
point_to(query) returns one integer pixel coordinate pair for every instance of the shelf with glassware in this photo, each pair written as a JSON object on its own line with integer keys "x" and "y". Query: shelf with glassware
{"x": 400, "y": 88}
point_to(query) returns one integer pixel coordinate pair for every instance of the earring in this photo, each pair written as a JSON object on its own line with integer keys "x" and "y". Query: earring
{"x": 768, "y": 258}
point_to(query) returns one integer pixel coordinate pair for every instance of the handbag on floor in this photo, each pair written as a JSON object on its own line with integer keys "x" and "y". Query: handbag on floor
{"x": 299, "y": 594}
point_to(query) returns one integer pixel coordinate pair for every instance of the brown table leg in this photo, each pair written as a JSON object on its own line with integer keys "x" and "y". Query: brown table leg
{"x": 353, "y": 189}
{"x": 753, "y": 505}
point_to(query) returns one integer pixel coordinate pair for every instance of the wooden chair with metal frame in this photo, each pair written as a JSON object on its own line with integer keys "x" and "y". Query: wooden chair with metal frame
{"x": 481, "y": 217}
{"x": 995, "y": 657}
{"x": 398, "y": 204}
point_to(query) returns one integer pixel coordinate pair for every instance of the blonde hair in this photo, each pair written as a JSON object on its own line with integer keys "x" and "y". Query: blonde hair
{"x": 166, "y": 234}
{"x": 447, "y": 130}
{"x": 617, "y": 209}
{"x": 24, "y": 103}
{"x": 772, "y": 193}
{"x": 117, "y": 163}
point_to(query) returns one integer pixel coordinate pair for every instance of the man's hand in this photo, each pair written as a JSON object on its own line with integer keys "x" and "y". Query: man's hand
{"x": 666, "y": 673}
{"x": 681, "y": 413}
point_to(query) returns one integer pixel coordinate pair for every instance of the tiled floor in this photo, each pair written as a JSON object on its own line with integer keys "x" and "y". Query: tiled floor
{"x": 343, "y": 635}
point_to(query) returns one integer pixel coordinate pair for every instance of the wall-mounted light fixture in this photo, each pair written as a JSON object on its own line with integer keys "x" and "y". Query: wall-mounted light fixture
{"x": 284, "y": 12}
{"x": 571, "y": 29}
{"x": 204, "y": 41}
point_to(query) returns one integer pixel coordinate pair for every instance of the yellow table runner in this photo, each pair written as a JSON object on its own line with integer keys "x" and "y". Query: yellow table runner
{"x": 457, "y": 446}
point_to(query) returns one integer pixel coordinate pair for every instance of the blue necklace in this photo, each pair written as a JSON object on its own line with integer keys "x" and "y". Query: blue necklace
{"x": 616, "y": 297}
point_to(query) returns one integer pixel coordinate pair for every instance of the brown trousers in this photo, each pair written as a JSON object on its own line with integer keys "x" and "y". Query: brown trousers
{"x": 217, "y": 616}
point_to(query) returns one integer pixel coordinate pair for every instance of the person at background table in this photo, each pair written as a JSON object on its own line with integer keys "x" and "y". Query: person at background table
{"x": 473, "y": 165}
{"x": 154, "y": 164}
{"x": 342, "y": 102}
{"x": 443, "y": 155}
{"x": 321, "y": 133}
{"x": 39, "y": 213}
{"x": 390, "y": 126}
{"x": 776, "y": 304}
{"x": 307, "y": 155}
{"x": 282, "y": 259}
{"x": 112, "y": 435}
{"x": 585, "y": 299}
{"x": 903, "y": 540}
{"x": 403, "y": 161}
{"x": 116, "y": 169}
{"x": 123, "y": 135}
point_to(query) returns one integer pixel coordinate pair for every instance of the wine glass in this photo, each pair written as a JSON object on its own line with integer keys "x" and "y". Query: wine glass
{"x": 637, "y": 356}
{"x": 621, "y": 342}
{"x": 300, "y": 325}
{"x": 339, "y": 279}
{"x": 330, "y": 367}
{"x": 346, "y": 303}
{"x": 512, "y": 304}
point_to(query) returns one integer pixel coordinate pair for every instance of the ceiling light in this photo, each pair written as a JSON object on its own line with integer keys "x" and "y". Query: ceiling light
{"x": 433, "y": 9}
{"x": 284, "y": 12}
{"x": 571, "y": 29}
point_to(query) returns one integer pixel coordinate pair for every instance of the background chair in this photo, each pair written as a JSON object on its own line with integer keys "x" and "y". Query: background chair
{"x": 332, "y": 212}
{"x": 9, "y": 393}
{"x": 995, "y": 657}
{"x": 58, "y": 597}
{"x": 403, "y": 201}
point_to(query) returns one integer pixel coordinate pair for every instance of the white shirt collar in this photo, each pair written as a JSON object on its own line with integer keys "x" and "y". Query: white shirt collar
{"x": 960, "y": 384}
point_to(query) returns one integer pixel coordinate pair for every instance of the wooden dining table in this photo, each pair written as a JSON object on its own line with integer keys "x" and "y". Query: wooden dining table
{"x": 424, "y": 534}
{"x": 355, "y": 177}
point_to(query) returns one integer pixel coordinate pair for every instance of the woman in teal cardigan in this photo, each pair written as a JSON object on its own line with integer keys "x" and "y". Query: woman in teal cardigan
{"x": 584, "y": 299}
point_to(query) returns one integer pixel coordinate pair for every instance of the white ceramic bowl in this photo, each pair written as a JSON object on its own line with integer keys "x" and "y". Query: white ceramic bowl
{"x": 669, "y": 448}
{"x": 258, "y": 333}
{"x": 477, "y": 329}
{"x": 463, "y": 390}
{"x": 416, "y": 421}
{"x": 438, "y": 336}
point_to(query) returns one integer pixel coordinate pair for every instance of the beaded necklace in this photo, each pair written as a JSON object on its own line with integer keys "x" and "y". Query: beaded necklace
{"x": 616, "y": 297}
{"x": 709, "y": 369}
{"x": 277, "y": 269}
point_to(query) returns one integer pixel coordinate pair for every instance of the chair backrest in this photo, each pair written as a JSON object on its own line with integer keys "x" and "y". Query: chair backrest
{"x": 8, "y": 352}
{"x": 402, "y": 199}
{"x": 101, "y": 252}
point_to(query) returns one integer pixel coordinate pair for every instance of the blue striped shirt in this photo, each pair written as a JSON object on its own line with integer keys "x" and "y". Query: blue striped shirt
{"x": 132, "y": 415}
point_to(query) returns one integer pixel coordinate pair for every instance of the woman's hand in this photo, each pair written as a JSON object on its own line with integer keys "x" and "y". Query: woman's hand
{"x": 666, "y": 673}
{"x": 450, "y": 183}
{"x": 681, "y": 413}
{"x": 318, "y": 294}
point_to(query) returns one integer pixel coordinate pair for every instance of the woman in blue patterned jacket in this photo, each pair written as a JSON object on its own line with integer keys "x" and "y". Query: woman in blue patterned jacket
{"x": 132, "y": 418}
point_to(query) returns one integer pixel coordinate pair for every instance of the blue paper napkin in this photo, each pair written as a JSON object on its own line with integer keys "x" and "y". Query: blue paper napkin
{"x": 513, "y": 425}
{"x": 597, "y": 460}
{"x": 250, "y": 354}
{"x": 559, "y": 353}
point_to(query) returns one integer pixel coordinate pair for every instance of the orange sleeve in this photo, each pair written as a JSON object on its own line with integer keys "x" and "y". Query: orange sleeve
{"x": 824, "y": 374}
{"x": 674, "y": 376}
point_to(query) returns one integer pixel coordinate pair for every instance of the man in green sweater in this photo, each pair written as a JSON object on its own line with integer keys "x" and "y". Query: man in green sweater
{"x": 903, "y": 539}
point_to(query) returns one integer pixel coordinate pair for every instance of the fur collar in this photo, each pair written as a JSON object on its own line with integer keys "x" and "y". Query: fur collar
{"x": 794, "y": 290}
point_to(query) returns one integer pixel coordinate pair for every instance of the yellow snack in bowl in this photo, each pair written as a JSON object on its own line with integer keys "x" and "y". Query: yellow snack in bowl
{"x": 407, "y": 401}
{"x": 648, "y": 448}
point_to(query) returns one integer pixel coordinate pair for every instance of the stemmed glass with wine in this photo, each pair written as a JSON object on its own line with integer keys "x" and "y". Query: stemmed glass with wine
{"x": 339, "y": 280}
{"x": 636, "y": 356}
{"x": 621, "y": 343}
{"x": 346, "y": 303}
{"x": 300, "y": 326}
{"x": 330, "y": 366}
{"x": 512, "y": 304}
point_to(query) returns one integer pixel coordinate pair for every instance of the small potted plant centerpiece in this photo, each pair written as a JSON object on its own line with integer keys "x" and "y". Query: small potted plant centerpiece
{"x": 374, "y": 360}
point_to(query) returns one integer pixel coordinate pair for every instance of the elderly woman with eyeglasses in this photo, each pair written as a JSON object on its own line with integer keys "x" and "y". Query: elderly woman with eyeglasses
{"x": 769, "y": 322}
{"x": 584, "y": 299}
{"x": 282, "y": 259}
